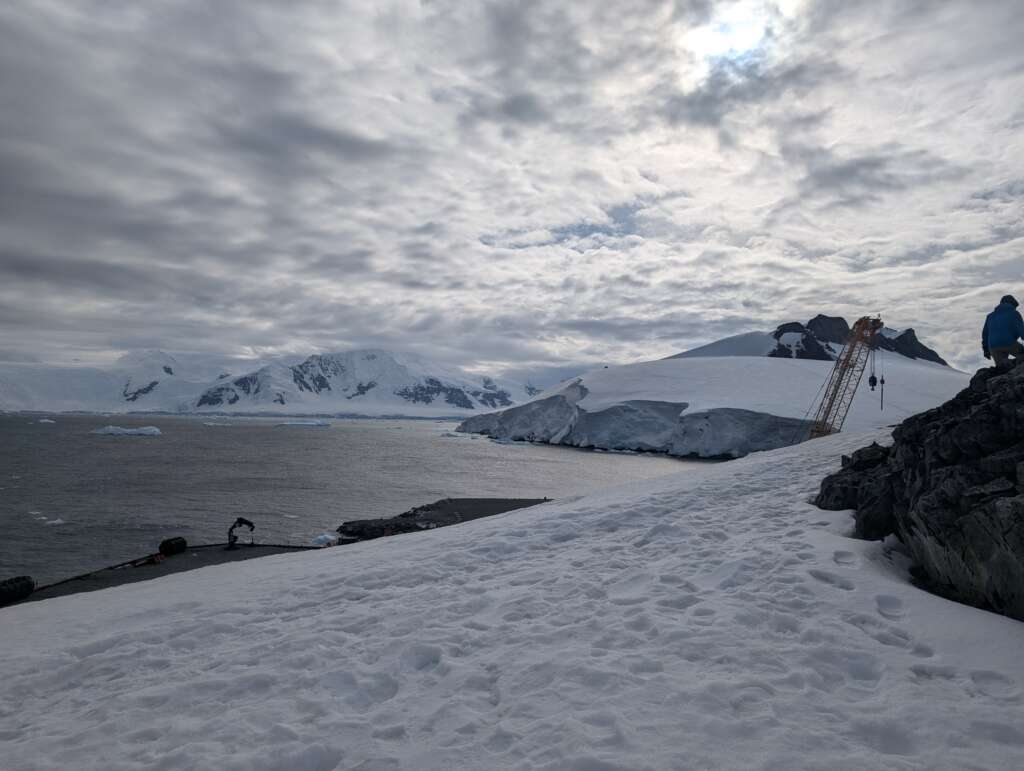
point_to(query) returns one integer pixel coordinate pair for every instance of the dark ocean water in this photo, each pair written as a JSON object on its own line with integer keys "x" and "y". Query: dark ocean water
{"x": 72, "y": 501}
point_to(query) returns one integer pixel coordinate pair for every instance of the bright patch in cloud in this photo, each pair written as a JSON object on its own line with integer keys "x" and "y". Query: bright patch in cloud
{"x": 736, "y": 29}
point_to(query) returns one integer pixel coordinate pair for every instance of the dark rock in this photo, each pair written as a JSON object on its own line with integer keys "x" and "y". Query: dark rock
{"x": 950, "y": 488}
{"x": 362, "y": 389}
{"x": 791, "y": 326}
{"x": 314, "y": 373}
{"x": 866, "y": 457}
{"x": 807, "y": 347}
{"x": 133, "y": 395}
{"x": 907, "y": 344}
{"x": 449, "y": 511}
{"x": 430, "y": 389}
{"x": 829, "y": 329}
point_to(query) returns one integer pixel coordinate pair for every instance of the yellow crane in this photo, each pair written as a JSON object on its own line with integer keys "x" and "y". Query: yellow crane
{"x": 845, "y": 378}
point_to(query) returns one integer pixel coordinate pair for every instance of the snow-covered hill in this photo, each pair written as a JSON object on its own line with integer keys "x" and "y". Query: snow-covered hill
{"x": 821, "y": 338}
{"x": 729, "y": 398}
{"x": 712, "y": 619}
{"x": 371, "y": 382}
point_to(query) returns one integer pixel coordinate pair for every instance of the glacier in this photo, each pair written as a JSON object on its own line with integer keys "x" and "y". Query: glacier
{"x": 708, "y": 406}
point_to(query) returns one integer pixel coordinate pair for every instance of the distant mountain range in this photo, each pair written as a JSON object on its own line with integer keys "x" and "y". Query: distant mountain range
{"x": 364, "y": 382}
{"x": 367, "y": 382}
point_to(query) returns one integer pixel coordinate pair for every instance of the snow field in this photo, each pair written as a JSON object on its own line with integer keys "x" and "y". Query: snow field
{"x": 710, "y": 619}
{"x": 784, "y": 387}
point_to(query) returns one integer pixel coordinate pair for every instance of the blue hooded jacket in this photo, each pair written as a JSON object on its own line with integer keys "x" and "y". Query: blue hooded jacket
{"x": 1002, "y": 327}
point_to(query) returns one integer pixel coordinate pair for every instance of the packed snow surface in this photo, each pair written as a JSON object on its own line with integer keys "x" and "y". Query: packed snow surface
{"x": 121, "y": 431}
{"x": 746, "y": 344}
{"x": 710, "y": 619}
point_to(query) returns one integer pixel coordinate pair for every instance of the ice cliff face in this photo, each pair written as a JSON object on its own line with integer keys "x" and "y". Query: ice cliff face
{"x": 710, "y": 406}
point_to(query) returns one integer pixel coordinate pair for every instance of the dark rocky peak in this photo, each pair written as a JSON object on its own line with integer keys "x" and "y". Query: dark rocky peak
{"x": 829, "y": 329}
{"x": 907, "y": 344}
{"x": 951, "y": 488}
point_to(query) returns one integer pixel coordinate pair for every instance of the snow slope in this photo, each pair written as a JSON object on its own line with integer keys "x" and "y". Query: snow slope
{"x": 371, "y": 382}
{"x": 706, "y": 620}
{"x": 746, "y": 344}
{"x": 709, "y": 405}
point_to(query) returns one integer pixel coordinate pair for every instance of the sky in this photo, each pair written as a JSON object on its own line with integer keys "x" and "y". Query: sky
{"x": 514, "y": 186}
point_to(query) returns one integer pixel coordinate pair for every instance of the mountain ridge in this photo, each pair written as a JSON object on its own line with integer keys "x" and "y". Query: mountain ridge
{"x": 371, "y": 382}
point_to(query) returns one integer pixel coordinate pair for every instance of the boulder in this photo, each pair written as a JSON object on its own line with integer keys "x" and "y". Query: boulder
{"x": 951, "y": 487}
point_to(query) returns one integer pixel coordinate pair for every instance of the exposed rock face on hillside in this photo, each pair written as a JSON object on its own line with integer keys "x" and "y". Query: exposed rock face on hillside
{"x": 907, "y": 344}
{"x": 823, "y": 337}
{"x": 795, "y": 341}
{"x": 951, "y": 487}
{"x": 829, "y": 329}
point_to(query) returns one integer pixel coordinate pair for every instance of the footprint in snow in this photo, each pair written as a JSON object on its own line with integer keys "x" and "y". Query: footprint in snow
{"x": 889, "y": 606}
{"x": 844, "y": 558}
{"x": 995, "y": 685}
{"x": 832, "y": 579}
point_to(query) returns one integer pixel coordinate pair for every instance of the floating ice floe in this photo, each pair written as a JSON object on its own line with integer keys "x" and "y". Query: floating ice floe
{"x": 306, "y": 423}
{"x": 46, "y": 420}
{"x": 121, "y": 431}
{"x": 325, "y": 539}
{"x": 57, "y": 521}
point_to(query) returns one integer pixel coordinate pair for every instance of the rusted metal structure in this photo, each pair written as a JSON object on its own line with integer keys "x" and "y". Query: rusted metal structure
{"x": 845, "y": 378}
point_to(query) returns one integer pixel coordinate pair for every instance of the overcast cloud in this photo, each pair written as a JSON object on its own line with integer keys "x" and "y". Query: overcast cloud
{"x": 510, "y": 185}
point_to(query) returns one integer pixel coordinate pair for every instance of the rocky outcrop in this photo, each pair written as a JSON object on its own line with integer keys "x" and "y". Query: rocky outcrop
{"x": 829, "y": 329}
{"x": 450, "y": 511}
{"x": 907, "y": 344}
{"x": 951, "y": 487}
{"x": 795, "y": 341}
{"x": 824, "y": 336}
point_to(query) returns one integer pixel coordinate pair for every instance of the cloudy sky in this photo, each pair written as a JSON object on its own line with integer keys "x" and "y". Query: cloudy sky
{"x": 507, "y": 184}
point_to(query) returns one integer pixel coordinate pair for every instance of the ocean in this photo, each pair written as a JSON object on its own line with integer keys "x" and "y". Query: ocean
{"x": 73, "y": 501}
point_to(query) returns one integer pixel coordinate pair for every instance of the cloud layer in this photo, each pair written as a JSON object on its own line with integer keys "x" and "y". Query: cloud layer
{"x": 511, "y": 184}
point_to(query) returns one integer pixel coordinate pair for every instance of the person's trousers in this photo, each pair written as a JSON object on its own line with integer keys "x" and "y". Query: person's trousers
{"x": 1001, "y": 356}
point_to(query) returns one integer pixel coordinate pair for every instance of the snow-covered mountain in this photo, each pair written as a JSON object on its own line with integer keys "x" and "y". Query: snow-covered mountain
{"x": 821, "y": 338}
{"x": 729, "y": 398}
{"x": 370, "y": 382}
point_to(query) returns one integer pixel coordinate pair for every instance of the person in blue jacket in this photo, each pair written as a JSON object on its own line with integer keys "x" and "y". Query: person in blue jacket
{"x": 1003, "y": 328}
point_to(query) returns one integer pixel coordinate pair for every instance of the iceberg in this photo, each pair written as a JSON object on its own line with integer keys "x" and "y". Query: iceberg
{"x": 121, "y": 431}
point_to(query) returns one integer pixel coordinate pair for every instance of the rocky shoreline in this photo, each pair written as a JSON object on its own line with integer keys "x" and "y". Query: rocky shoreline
{"x": 448, "y": 511}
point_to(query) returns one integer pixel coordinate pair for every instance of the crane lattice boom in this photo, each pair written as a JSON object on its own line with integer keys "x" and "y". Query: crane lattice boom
{"x": 846, "y": 376}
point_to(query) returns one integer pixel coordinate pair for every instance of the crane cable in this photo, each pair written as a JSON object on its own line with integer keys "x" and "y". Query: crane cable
{"x": 881, "y": 370}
